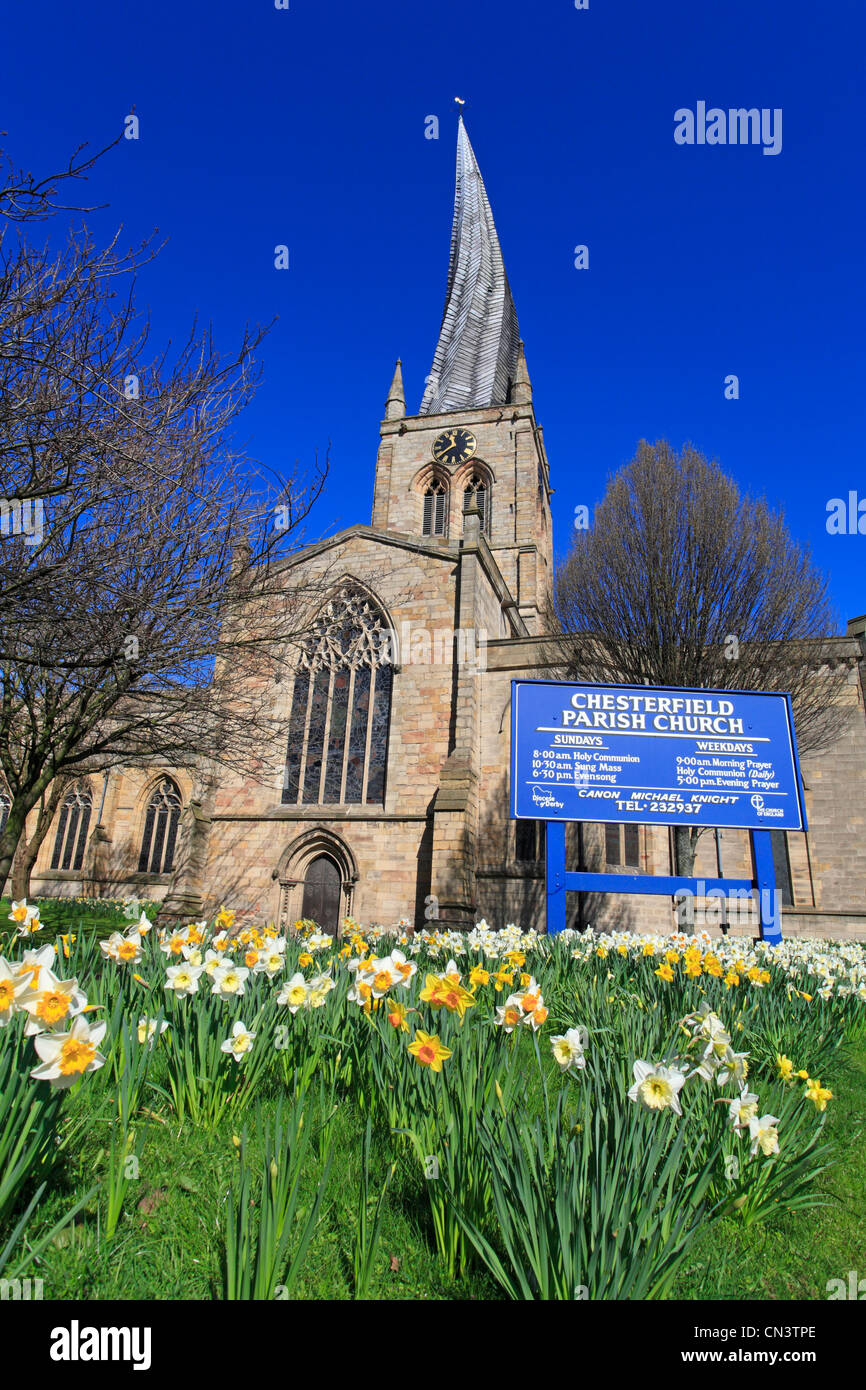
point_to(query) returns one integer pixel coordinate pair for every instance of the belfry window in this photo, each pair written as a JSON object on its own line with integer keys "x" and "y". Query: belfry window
{"x": 436, "y": 509}
{"x": 478, "y": 492}
{"x": 341, "y": 707}
{"x": 160, "y": 830}
{"x": 70, "y": 841}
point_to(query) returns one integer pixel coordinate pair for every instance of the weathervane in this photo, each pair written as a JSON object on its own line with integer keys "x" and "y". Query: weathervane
{"x": 460, "y": 103}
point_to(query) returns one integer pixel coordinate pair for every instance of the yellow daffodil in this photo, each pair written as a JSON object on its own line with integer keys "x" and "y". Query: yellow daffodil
{"x": 397, "y": 1014}
{"x": 785, "y": 1067}
{"x": 429, "y": 1050}
{"x": 664, "y": 972}
{"x": 818, "y": 1094}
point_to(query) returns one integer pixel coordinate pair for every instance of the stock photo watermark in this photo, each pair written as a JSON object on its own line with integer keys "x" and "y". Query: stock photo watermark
{"x": 23, "y": 517}
{"x": 734, "y": 126}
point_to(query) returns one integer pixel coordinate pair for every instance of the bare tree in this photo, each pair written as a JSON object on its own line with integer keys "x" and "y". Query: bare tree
{"x": 144, "y": 610}
{"x": 683, "y": 581}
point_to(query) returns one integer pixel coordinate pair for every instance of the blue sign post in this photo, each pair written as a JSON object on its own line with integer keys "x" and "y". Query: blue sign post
{"x": 640, "y": 754}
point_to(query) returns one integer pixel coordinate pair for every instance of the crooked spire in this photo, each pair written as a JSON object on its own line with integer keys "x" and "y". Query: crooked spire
{"x": 475, "y": 361}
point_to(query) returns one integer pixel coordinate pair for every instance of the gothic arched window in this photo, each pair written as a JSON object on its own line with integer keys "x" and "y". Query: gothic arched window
{"x": 5, "y": 808}
{"x": 160, "y": 829}
{"x": 341, "y": 707}
{"x": 71, "y": 838}
{"x": 436, "y": 509}
{"x": 477, "y": 491}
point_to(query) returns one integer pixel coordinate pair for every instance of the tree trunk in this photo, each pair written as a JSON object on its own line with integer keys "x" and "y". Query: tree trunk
{"x": 22, "y": 804}
{"x": 685, "y": 847}
{"x": 28, "y": 850}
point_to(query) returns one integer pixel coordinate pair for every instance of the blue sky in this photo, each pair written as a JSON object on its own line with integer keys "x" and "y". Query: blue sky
{"x": 306, "y": 127}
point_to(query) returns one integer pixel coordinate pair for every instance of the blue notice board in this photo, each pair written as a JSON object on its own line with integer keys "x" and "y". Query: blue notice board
{"x": 652, "y": 755}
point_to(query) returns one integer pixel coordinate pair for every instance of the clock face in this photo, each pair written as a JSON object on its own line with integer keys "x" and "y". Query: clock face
{"x": 454, "y": 446}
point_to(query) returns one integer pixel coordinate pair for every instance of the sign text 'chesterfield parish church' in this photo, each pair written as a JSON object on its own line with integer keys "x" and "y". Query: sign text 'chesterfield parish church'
{"x": 668, "y": 756}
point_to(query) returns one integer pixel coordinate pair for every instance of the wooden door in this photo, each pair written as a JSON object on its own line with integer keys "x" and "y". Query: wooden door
{"x": 322, "y": 894}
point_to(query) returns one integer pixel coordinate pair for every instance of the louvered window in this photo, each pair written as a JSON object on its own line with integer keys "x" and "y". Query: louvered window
{"x": 435, "y": 509}
{"x": 477, "y": 491}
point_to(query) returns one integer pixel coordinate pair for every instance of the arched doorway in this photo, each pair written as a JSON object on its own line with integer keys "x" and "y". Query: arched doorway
{"x": 321, "y": 902}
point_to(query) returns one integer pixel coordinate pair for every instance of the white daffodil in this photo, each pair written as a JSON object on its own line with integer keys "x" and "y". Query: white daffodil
{"x": 229, "y": 980}
{"x": 764, "y": 1135}
{"x": 318, "y": 990}
{"x": 172, "y": 943}
{"x": 147, "y": 1031}
{"x": 110, "y": 945}
{"x": 212, "y": 961}
{"x": 657, "y": 1087}
{"x": 381, "y": 976}
{"x": 34, "y": 961}
{"x": 193, "y": 954}
{"x": 183, "y": 979}
{"x": 404, "y": 968}
{"x": 239, "y": 1043}
{"x": 68, "y": 1056}
{"x": 51, "y": 1003}
{"x": 25, "y": 918}
{"x": 568, "y": 1048}
{"x": 271, "y": 962}
{"x": 293, "y": 993}
{"x": 12, "y": 986}
{"x": 144, "y": 924}
{"x": 510, "y": 1015}
{"x": 128, "y": 950}
{"x": 743, "y": 1110}
{"x": 734, "y": 1067}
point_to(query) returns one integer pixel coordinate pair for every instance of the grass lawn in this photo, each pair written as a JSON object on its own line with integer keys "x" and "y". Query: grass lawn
{"x": 161, "y": 1191}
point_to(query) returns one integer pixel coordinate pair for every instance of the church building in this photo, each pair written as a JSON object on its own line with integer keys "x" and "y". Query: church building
{"x": 389, "y": 791}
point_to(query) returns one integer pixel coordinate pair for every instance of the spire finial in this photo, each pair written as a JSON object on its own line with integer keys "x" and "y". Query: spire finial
{"x": 460, "y": 103}
{"x": 395, "y": 406}
{"x": 521, "y": 387}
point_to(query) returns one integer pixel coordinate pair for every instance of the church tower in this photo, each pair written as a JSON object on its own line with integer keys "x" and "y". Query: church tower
{"x": 475, "y": 442}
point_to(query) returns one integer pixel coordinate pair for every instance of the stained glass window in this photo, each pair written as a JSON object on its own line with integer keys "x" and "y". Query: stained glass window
{"x": 160, "y": 830}
{"x": 71, "y": 838}
{"x": 341, "y": 707}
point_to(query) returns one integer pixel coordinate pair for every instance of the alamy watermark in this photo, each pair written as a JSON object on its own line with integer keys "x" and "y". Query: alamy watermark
{"x": 23, "y": 518}
{"x": 734, "y": 126}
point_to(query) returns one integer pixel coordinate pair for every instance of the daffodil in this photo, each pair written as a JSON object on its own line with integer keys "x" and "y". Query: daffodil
{"x": 743, "y": 1109}
{"x": 664, "y": 972}
{"x": 229, "y": 980}
{"x": 293, "y": 993}
{"x": 568, "y": 1048}
{"x": 764, "y": 1135}
{"x": 51, "y": 1003}
{"x": 397, "y": 1014}
{"x": 239, "y": 1043}
{"x": 68, "y": 1056}
{"x": 25, "y": 918}
{"x": 12, "y": 985}
{"x": 429, "y": 1050}
{"x": 146, "y": 1031}
{"x": 509, "y": 1015}
{"x": 656, "y": 1086}
{"x": 183, "y": 979}
{"x": 818, "y": 1094}
{"x": 318, "y": 989}
{"x": 785, "y": 1068}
